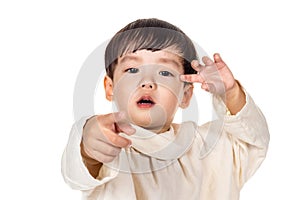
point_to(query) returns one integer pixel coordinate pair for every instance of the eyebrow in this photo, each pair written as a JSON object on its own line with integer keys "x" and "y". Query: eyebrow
{"x": 170, "y": 61}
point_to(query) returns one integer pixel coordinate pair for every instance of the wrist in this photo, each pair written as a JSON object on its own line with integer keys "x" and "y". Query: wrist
{"x": 233, "y": 92}
{"x": 234, "y": 98}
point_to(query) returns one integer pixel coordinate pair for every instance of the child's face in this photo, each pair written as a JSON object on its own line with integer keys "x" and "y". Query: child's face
{"x": 148, "y": 89}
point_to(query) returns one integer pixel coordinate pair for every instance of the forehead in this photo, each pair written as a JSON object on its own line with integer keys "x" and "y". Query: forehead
{"x": 163, "y": 57}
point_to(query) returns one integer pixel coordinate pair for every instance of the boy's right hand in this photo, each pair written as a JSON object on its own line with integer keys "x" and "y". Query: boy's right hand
{"x": 101, "y": 141}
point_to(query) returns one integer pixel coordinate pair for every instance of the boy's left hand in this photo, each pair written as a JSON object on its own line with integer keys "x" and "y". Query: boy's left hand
{"x": 215, "y": 76}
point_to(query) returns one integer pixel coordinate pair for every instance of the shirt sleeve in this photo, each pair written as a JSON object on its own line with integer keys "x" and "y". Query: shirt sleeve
{"x": 249, "y": 135}
{"x": 74, "y": 171}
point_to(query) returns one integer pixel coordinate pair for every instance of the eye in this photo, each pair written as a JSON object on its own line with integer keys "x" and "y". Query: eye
{"x": 132, "y": 70}
{"x": 165, "y": 73}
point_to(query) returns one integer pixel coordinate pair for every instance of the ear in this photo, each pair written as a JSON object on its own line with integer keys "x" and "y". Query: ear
{"x": 187, "y": 96}
{"x": 108, "y": 86}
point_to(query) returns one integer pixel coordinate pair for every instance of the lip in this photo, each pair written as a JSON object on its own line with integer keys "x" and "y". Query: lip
{"x": 145, "y": 102}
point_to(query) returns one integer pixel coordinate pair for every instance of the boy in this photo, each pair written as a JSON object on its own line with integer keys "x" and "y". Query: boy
{"x": 137, "y": 152}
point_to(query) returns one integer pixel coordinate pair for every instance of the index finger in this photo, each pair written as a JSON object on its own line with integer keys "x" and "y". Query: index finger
{"x": 122, "y": 124}
{"x": 191, "y": 78}
{"x": 117, "y": 122}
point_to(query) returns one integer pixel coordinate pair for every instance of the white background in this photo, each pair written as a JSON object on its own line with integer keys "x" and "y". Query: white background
{"x": 44, "y": 43}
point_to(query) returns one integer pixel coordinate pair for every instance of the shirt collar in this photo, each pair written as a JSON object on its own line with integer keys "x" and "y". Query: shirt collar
{"x": 169, "y": 145}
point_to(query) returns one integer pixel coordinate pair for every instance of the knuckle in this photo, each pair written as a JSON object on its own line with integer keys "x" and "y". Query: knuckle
{"x": 115, "y": 139}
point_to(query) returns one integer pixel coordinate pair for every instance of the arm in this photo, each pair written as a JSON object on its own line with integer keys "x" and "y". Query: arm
{"x": 249, "y": 135}
{"x": 216, "y": 77}
{"x": 73, "y": 168}
{"x": 244, "y": 124}
{"x": 235, "y": 99}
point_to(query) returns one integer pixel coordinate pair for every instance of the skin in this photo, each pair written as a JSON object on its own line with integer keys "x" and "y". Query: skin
{"x": 223, "y": 85}
{"x": 162, "y": 61}
{"x": 101, "y": 142}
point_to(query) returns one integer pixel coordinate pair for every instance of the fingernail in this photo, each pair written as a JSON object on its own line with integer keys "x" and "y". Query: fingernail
{"x": 195, "y": 62}
{"x": 131, "y": 130}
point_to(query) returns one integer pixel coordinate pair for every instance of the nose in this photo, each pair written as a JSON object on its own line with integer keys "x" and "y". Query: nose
{"x": 149, "y": 85}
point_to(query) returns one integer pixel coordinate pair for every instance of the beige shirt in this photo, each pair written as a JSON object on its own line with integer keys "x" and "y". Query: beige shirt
{"x": 210, "y": 162}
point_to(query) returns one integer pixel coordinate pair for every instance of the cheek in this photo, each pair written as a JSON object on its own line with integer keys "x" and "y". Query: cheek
{"x": 169, "y": 100}
{"x": 123, "y": 92}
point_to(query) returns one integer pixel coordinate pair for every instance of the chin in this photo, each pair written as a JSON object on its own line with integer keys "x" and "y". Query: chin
{"x": 148, "y": 124}
{"x": 141, "y": 120}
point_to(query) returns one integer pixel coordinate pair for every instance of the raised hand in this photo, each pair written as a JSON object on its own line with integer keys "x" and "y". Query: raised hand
{"x": 215, "y": 76}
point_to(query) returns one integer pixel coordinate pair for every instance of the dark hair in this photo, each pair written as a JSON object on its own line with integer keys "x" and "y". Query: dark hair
{"x": 150, "y": 34}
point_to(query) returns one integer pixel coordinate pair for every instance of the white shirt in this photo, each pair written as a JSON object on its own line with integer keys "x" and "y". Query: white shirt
{"x": 209, "y": 162}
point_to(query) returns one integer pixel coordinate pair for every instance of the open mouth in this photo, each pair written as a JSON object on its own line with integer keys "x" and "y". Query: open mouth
{"x": 145, "y": 102}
